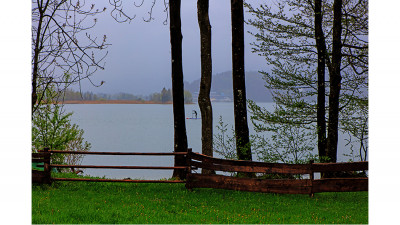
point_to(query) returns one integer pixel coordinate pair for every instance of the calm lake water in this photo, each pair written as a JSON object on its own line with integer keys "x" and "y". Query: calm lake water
{"x": 142, "y": 128}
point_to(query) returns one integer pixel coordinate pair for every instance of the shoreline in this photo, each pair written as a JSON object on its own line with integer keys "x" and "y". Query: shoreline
{"x": 115, "y": 102}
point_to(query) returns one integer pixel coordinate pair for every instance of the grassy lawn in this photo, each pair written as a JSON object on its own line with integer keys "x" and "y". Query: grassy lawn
{"x": 108, "y": 203}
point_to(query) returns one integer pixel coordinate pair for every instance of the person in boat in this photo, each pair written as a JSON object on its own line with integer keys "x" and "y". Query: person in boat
{"x": 195, "y": 113}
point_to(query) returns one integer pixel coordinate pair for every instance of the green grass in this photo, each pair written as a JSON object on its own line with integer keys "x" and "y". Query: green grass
{"x": 129, "y": 203}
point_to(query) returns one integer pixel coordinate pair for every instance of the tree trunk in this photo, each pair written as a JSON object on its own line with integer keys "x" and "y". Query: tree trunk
{"x": 335, "y": 82}
{"x": 35, "y": 72}
{"x": 205, "y": 83}
{"x": 239, "y": 86}
{"x": 320, "y": 43}
{"x": 180, "y": 138}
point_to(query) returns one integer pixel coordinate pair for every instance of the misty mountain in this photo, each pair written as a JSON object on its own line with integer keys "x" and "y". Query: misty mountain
{"x": 221, "y": 87}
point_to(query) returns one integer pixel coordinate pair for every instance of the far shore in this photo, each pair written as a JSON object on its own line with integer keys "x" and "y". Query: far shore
{"x": 115, "y": 102}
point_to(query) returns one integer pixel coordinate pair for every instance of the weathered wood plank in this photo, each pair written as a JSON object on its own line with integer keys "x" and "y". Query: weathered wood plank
{"x": 38, "y": 176}
{"x": 340, "y": 185}
{"x": 119, "y": 167}
{"x": 335, "y": 167}
{"x": 118, "y": 153}
{"x": 251, "y": 166}
{"x": 249, "y": 184}
{"x": 118, "y": 180}
{"x": 251, "y": 169}
{"x": 46, "y": 167}
{"x": 40, "y": 154}
{"x": 41, "y": 160}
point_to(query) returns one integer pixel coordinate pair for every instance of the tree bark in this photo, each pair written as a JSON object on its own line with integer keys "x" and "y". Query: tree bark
{"x": 205, "y": 82}
{"x": 335, "y": 82}
{"x": 180, "y": 138}
{"x": 320, "y": 44}
{"x": 36, "y": 63}
{"x": 239, "y": 86}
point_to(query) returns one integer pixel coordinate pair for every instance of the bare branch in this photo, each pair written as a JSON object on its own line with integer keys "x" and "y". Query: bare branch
{"x": 139, "y": 4}
{"x": 61, "y": 53}
{"x": 118, "y": 12}
{"x": 150, "y": 13}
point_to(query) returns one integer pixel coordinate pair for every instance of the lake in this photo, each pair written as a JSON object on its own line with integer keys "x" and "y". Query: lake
{"x": 142, "y": 128}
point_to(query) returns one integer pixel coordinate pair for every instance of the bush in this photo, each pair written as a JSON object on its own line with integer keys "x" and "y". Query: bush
{"x": 52, "y": 128}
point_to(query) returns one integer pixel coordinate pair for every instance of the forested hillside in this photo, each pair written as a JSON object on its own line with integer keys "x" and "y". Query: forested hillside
{"x": 222, "y": 87}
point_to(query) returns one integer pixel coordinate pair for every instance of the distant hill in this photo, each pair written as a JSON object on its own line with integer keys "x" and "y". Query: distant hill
{"x": 221, "y": 87}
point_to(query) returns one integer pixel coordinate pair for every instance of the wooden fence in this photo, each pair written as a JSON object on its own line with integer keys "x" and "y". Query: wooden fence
{"x": 45, "y": 158}
{"x": 45, "y": 175}
{"x": 196, "y": 161}
{"x": 284, "y": 186}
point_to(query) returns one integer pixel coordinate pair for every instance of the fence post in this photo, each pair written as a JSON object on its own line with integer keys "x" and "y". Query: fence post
{"x": 311, "y": 178}
{"x": 47, "y": 169}
{"x": 189, "y": 169}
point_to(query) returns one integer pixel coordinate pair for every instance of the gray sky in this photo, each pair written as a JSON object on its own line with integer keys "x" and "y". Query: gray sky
{"x": 138, "y": 61}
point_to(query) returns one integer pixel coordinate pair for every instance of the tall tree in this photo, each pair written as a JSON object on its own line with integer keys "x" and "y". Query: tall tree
{"x": 293, "y": 42}
{"x": 165, "y": 95}
{"x": 335, "y": 79}
{"x": 180, "y": 138}
{"x": 239, "y": 84}
{"x": 320, "y": 45}
{"x": 205, "y": 82}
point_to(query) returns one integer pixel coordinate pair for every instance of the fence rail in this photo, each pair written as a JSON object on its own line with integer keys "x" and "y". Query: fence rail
{"x": 195, "y": 161}
{"x": 115, "y": 153}
{"x": 119, "y": 167}
{"x": 207, "y": 162}
{"x": 45, "y": 175}
{"x": 44, "y": 157}
{"x": 248, "y": 184}
{"x": 287, "y": 186}
{"x": 118, "y": 180}
{"x": 338, "y": 167}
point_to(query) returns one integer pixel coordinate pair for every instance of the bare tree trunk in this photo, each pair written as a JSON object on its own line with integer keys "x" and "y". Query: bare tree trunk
{"x": 239, "y": 86}
{"x": 335, "y": 82}
{"x": 180, "y": 138}
{"x": 320, "y": 43}
{"x": 36, "y": 63}
{"x": 34, "y": 83}
{"x": 205, "y": 83}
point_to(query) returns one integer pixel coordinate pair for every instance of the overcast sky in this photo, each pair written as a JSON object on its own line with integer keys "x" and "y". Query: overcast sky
{"x": 138, "y": 61}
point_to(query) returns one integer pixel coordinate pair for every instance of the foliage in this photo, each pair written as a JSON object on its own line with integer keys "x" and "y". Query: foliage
{"x": 128, "y": 203}
{"x": 70, "y": 94}
{"x": 188, "y": 97}
{"x": 286, "y": 144}
{"x": 76, "y": 144}
{"x": 164, "y": 96}
{"x": 52, "y": 128}
{"x": 285, "y": 37}
{"x": 224, "y": 142}
{"x": 355, "y": 120}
